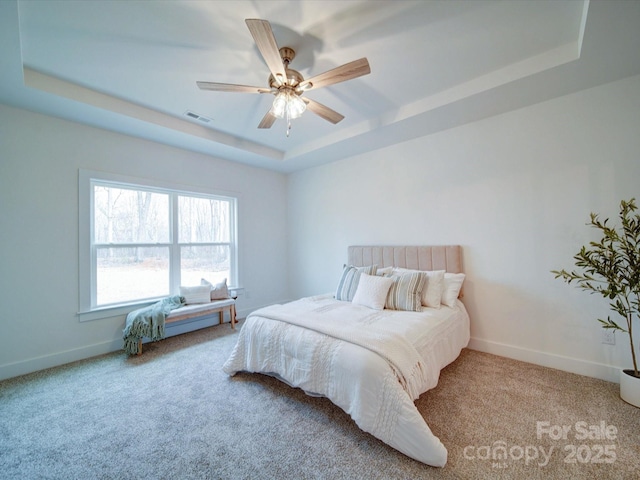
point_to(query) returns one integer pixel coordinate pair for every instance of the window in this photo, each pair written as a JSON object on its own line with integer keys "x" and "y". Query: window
{"x": 144, "y": 241}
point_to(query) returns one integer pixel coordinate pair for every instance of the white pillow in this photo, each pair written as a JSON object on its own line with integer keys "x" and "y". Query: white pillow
{"x": 372, "y": 291}
{"x": 452, "y": 286}
{"x": 384, "y": 271}
{"x": 432, "y": 291}
{"x": 219, "y": 291}
{"x": 196, "y": 294}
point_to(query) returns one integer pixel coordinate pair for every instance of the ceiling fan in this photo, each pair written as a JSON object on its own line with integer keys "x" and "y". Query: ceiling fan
{"x": 287, "y": 84}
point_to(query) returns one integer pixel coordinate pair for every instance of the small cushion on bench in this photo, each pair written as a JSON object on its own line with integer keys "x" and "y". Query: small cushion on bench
{"x": 219, "y": 291}
{"x": 195, "y": 294}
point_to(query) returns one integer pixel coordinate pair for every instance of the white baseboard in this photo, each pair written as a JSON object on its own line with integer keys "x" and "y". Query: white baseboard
{"x": 31, "y": 365}
{"x": 190, "y": 325}
{"x": 559, "y": 362}
{"x": 567, "y": 364}
{"x": 23, "y": 367}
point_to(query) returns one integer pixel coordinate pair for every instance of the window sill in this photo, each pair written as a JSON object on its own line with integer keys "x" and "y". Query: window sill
{"x": 110, "y": 312}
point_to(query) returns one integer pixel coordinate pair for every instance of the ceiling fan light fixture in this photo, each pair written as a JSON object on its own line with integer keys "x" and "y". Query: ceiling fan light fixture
{"x": 287, "y": 104}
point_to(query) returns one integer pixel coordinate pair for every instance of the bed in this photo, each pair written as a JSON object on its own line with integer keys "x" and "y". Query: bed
{"x": 371, "y": 362}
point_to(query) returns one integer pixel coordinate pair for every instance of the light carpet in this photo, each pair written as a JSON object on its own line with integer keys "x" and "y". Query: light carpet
{"x": 173, "y": 414}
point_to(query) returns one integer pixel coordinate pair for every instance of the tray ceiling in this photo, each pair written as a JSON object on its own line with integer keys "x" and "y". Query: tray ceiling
{"x": 131, "y": 67}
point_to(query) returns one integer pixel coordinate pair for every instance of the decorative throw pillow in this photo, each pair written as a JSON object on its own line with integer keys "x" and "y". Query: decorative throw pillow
{"x": 406, "y": 292}
{"x": 196, "y": 294}
{"x": 432, "y": 292}
{"x": 386, "y": 271}
{"x": 452, "y": 286}
{"x": 349, "y": 281}
{"x": 372, "y": 291}
{"x": 219, "y": 291}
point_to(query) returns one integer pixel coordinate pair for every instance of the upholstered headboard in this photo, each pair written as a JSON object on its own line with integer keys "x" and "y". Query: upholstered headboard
{"x": 440, "y": 257}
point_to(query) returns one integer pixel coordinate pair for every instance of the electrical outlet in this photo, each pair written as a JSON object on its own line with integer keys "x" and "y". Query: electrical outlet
{"x": 608, "y": 336}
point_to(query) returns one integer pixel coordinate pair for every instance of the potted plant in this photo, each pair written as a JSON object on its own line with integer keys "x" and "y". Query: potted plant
{"x": 611, "y": 268}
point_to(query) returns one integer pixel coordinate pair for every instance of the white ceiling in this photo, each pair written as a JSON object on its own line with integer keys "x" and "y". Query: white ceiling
{"x": 131, "y": 66}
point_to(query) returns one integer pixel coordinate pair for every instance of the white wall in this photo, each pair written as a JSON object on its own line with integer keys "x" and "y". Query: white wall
{"x": 39, "y": 161}
{"x": 516, "y": 191}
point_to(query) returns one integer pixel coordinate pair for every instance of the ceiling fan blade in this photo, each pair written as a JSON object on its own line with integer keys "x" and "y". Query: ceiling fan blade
{"x": 267, "y": 120}
{"x": 323, "y": 111}
{"x": 350, "y": 70}
{"x": 231, "y": 87}
{"x": 266, "y": 43}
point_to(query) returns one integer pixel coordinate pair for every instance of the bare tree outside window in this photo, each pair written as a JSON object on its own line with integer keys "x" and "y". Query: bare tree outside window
{"x": 204, "y": 238}
{"x": 133, "y": 244}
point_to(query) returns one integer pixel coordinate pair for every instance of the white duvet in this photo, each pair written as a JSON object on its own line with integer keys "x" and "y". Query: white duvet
{"x": 372, "y": 364}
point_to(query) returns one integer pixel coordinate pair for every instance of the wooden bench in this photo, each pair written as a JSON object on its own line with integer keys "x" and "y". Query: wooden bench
{"x": 201, "y": 310}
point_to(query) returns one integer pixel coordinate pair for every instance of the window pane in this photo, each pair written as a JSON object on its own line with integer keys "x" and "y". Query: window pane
{"x": 130, "y": 216}
{"x": 203, "y": 220}
{"x": 211, "y": 263}
{"x": 126, "y": 274}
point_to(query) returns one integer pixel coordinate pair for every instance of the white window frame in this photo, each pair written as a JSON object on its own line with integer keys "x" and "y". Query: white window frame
{"x": 88, "y": 310}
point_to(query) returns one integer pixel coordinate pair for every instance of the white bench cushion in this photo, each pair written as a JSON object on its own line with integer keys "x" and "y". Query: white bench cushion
{"x": 200, "y": 308}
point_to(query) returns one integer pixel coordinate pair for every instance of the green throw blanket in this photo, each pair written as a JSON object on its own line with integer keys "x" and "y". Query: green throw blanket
{"x": 148, "y": 322}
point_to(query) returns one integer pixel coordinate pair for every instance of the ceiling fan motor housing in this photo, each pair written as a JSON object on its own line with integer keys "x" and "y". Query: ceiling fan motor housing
{"x": 293, "y": 76}
{"x": 293, "y": 79}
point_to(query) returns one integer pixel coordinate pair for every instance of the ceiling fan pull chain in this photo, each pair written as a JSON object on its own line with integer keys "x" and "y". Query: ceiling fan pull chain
{"x": 288, "y": 122}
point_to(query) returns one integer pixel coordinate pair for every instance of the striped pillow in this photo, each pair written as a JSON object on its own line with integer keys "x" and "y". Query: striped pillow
{"x": 349, "y": 281}
{"x": 433, "y": 287}
{"x": 406, "y": 292}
